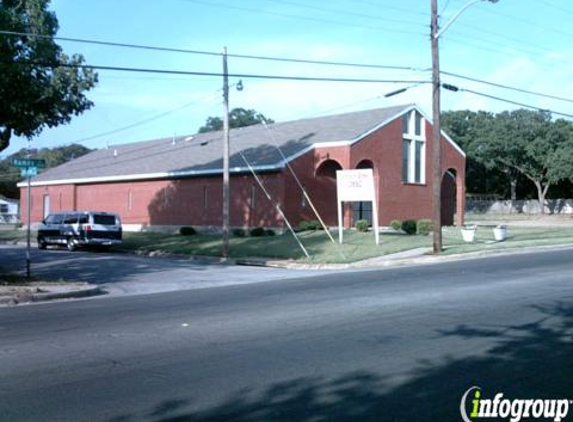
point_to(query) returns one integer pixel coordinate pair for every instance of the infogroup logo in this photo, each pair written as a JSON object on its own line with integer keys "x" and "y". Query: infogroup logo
{"x": 514, "y": 410}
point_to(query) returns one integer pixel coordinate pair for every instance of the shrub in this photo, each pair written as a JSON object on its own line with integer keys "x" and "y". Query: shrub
{"x": 409, "y": 226}
{"x": 309, "y": 225}
{"x": 361, "y": 225}
{"x": 239, "y": 233}
{"x": 424, "y": 227}
{"x": 302, "y": 227}
{"x": 269, "y": 232}
{"x": 257, "y": 232}
{"x": 396, "y": 224}
{"x": 187, "y": 231}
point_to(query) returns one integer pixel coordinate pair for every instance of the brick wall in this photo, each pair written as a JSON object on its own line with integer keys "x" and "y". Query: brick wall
{"x": 196, "y": 201}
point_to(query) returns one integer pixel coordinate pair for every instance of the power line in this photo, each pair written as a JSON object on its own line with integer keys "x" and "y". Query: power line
{"x": 309, "y": 18}
{"x": 511, "y": 88}
{"x": 345, "y": 12}
{"x": 506, "y": 47}
{"x": 217, "y": 74}
{"x": 454, "y": 88}
{"x": 551, "y": 4}
{"x": 398, "y": 9}
{"x": 139, "y": 123}
{"x": 208, "y": 53}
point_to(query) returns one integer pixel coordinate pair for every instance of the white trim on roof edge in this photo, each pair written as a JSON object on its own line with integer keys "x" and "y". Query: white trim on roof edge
{"x": 280, "y": 165}
{"x": 155, "y": 176}
{"x": 351, "y": 142}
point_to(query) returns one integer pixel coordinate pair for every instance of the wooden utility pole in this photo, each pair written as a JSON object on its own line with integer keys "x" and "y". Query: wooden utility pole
{"x": 226, "y": 200}
{"x": 29, "y": 217}
{"x": 436, "y": 134}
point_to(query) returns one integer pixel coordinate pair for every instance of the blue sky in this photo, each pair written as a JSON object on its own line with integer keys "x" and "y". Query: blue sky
{"x": 521, "y": 43}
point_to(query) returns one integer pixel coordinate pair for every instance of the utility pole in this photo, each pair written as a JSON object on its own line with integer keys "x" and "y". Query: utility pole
{"x": 436, "y": 108}
{"x": 436, "y": 133}
{"x": 29, "y": 222}
{"x": 226, "y": 200}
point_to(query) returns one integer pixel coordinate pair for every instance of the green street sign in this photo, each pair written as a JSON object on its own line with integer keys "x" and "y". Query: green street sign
{"x": 28, "y": 162}
{"x": 29, "y": 172}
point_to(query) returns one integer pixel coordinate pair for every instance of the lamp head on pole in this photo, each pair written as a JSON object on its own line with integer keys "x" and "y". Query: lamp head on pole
{"x": 457, "y": 15}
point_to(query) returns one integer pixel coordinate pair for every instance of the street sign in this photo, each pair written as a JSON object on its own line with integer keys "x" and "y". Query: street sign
{"x": 29, "y": 171}
{"x": 28, "y": 162}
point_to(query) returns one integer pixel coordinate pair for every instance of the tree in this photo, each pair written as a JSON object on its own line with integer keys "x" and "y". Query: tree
{"x": 532, "y": 144}
{"x": 10, "y": 175}
{"x": 40, "y": 86}
{"x": 467, "y": 128}
{"x": 238, "y": 117}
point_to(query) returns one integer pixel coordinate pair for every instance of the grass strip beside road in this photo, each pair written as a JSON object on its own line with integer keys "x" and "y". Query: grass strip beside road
{"x": 357, "y": 246}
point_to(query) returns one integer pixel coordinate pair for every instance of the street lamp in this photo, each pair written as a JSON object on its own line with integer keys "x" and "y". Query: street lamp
{"x": 436, "y": 130}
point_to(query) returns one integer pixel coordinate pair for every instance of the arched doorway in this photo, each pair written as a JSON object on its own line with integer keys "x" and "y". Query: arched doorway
{"x": 362, "y": 210}
{"x": 324, "y": 191}
{"x": 449, "y": 197}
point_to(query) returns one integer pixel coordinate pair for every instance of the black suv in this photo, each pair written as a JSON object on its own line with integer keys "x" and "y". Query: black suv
{"x": 75, "y": 228}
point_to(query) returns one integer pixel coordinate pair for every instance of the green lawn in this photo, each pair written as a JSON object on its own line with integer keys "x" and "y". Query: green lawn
{"x": 357, "y": 246}
{"x": 11, "y": 235}
{"x": 518, "y": 237}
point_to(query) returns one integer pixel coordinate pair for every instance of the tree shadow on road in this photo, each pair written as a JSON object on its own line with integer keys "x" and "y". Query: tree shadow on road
{"x": 532, "y": 360}
{"x": 94, "y": 268}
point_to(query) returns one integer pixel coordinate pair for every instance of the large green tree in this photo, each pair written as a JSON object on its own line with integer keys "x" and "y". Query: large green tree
{"x": 467, "y": 128}
{"x": 238, "y": 117}
{"x": 531, "y": 144}
{"x": 40, "y": 86}
{"x": 10, "y": 175}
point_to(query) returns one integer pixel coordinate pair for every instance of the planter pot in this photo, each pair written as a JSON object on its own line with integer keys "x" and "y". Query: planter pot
{"x": 500, "y": 234}
{"x": 469, "y": 233}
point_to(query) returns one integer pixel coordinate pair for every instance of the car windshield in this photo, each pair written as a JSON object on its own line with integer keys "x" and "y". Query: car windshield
{"x": 54, "y": 219}
{"x": 104, "y": 220}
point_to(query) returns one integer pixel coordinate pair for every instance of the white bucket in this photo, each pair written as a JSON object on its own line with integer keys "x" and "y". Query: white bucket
{"x": 500, "y": 233}
{"x": 469, "y": 233}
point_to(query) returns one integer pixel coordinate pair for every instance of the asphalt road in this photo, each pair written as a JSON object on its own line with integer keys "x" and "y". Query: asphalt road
{"x": 121, "y": 273}
{"x": 400, "y": 344}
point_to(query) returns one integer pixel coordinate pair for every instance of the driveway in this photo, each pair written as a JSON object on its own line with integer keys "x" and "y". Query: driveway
{"x": 131, "y": 274}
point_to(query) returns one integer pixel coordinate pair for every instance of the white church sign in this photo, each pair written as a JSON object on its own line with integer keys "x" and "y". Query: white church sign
{"x": 356, "y": 186}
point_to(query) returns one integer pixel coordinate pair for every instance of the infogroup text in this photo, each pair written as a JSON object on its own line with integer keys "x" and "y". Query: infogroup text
{"x": 513, "y": 410}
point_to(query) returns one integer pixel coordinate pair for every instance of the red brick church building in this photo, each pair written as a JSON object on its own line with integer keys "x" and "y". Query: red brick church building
{"x": 172, "y": 182}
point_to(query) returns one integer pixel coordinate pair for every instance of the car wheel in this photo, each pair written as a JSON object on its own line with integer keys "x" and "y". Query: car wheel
{"x": 42, "y": 243}
{"x": 71, "y": 244}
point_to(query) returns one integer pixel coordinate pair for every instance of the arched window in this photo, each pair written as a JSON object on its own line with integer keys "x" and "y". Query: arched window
{"x": 328, "y": 169}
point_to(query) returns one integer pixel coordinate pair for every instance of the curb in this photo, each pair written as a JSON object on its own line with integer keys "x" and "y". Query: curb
{"x": 42, "y": 297}
{"x": 370, "y": 263}
{"x": 389, "y": 262}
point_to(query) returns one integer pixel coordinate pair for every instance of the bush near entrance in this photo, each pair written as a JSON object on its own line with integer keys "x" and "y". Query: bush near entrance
{"x": 187, "y": 231}
{"x": 361, "y": 225}
{"x": 424, "y": 227}
{"x": 409, "y": 226}
{"x": 396, "y": 224}
{"x": 309, "y": 225}
{"x": 258, "y": 232}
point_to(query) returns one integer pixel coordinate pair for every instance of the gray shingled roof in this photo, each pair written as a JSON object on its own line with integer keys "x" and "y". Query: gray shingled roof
{"x": 202, "y": 153}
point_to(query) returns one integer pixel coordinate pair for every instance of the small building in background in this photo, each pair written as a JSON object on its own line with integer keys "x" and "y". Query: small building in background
{"x": 172, "y": 182}
{"x": 9, "y": 210}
